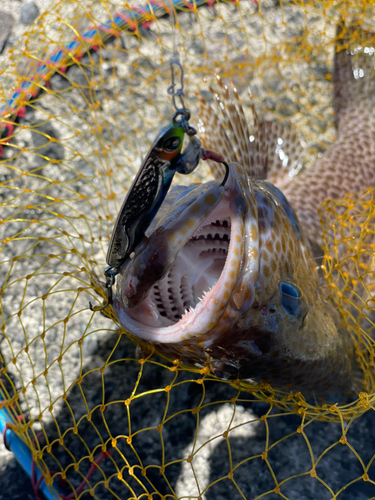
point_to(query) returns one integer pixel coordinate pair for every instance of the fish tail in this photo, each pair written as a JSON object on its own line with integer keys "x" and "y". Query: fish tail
{"x": 353, "y": 74}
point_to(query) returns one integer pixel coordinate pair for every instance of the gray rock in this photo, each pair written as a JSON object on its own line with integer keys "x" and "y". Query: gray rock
{"x": 269, "y": 103}
{"x": 197, "y": 47}
{"x": 143, "y": 62}
{"x": 59, "y": 82}
{"x": 296, "y": 36}
{"x": 29, "y": 12}
{"x": 321, "y": 70}
{"x": 296, "y": 19}
{"x": 6, "y": 25}
{"x": 272, "y": 80}
{"x": 287, "y": 107}
{"x": 43, "y": 145}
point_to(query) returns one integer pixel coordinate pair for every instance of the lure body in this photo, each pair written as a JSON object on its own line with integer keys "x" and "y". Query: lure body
{"x": 149, "y": 189}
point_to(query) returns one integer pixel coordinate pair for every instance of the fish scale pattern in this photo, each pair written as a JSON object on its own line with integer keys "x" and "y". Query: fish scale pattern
{"x": 82, "y": 96}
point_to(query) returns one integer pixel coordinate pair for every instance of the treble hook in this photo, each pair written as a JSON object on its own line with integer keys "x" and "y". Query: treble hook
{"x": 110, "y": 274}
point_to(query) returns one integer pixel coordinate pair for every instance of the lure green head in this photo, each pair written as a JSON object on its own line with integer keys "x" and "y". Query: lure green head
{"x": 168, "y": 144}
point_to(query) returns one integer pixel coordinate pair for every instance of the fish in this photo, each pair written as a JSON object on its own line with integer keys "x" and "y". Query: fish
{"x": 226, "y": 276}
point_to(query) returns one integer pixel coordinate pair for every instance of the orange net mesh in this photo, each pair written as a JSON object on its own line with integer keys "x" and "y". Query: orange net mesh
{"x": 107, "y": 424}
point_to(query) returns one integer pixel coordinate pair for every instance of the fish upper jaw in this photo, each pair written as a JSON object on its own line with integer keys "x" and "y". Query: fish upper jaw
{"x": 168, "y": 248}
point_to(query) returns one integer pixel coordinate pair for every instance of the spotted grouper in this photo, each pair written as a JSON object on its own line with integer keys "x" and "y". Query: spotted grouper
{"x": 225, "y": 277}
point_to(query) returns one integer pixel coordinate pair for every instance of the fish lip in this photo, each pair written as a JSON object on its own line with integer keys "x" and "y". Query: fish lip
{"x": 209, "y": 310}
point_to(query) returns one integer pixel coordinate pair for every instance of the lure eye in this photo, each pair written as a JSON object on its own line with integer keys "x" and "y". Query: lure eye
{"x": 290, "y": 298}
{"x": 171, "y": 144}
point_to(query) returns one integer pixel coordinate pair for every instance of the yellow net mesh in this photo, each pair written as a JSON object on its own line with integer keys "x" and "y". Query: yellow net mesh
{"x": 108, "y": 424}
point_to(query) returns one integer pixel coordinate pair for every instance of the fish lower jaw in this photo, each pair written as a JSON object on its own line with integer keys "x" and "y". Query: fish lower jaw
{"x": 190, "y": 300}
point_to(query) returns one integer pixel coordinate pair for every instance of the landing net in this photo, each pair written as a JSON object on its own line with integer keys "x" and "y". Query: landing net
{"x": 82, "y": 96}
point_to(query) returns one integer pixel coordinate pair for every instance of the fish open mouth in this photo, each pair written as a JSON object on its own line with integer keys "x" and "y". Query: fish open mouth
{"x": 189, "y": 297}
{"x": 185, "y": 273}
{"x": 195, "y": 272}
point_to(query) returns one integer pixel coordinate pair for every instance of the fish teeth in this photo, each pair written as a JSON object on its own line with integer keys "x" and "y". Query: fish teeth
{"x": 209, "y": 223}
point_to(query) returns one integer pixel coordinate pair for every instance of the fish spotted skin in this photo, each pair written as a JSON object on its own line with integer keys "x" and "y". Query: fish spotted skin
{"x": 236, "y": 287}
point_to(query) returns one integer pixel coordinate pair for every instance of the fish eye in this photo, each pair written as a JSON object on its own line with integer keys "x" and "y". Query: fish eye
{"x": 171, "y": 144}
{"x": 290, "y": 298}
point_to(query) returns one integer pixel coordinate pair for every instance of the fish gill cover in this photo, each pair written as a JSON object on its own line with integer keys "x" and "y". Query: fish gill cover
{"x": 82, "y": 96}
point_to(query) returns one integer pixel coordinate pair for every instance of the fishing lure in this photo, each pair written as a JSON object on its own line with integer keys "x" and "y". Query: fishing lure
{"x": 148, "y": 191}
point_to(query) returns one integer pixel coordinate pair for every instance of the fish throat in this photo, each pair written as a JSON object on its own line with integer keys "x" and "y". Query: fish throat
{"x": 182, "y": 277}
{"x": 196, "y": 270}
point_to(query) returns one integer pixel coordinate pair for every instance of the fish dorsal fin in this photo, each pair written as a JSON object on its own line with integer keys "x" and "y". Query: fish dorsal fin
{"x": 234, "y": 119}
{"x": 258, "y": 140}
{"x": 281, "y": 152}
{"x": 268, "y": 150}
{"x": 276, "y": 153}
{"x": 214, "y": 137}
